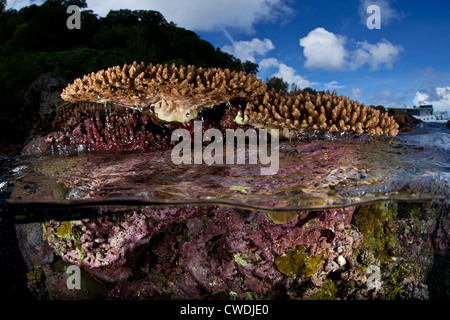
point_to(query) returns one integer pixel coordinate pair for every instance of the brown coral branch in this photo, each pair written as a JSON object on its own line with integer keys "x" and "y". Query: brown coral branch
{"x": 179, "y": 94}
{"x": 176, "y": 93}
{"x": 294, "y": 112}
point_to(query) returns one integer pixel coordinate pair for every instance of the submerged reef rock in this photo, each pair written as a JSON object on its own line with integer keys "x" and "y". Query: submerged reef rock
{"x": 137, "y": 107}
{"x": 376, "y": 251}
{"x": 405, "y": 120}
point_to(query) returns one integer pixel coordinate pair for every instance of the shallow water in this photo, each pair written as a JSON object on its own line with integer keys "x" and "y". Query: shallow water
{"x": 341, "y": 205}
{"x": 315, "y": 174}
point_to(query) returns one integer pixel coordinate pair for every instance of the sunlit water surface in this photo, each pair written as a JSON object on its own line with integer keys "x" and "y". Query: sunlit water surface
{"x": 314, "y": 174}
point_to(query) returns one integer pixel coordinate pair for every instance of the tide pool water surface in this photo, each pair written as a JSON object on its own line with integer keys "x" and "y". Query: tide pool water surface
{"x": 344, "y": 217}
{"x": 351, "y": 209}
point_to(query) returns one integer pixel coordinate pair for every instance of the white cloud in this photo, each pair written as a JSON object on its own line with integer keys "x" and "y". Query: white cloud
{"x": 18, "y": 4}
{"x": 356, "y": 93}
{"x": 325, "y": 50}
{"x": 246, "y": 50}
{"x": 388, "y": 14}
{"x": 332, "y": 85}
{"x": 268, "y": 63}
{"x": 440, "y": 100}
{"x": 200, "y": 15}
{"x": 204, "y": 15}
{"x": 288, "y": 74}
{"x": 376, "y": 55}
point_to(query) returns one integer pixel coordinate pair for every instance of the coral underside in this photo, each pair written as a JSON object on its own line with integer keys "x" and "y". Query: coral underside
{"x": 170, "y": 94}
{"x": 112, "y": 127}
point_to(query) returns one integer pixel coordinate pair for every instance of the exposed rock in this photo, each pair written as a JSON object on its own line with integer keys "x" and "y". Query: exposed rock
{"x": 405, "y": 121}
{"x": 40, "y": 102}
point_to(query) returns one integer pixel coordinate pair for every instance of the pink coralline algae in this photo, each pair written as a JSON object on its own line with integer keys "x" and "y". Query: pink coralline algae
{"x": 187, "y": 252}
{"x": 374, "y": 251}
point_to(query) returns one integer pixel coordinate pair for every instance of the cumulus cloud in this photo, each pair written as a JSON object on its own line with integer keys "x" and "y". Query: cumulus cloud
{"x": 247, "y": 50}
{"x": 324, "y": 50}
{"x": 332, "y": 85}
{"x": 440, "y": 99}
{"x": 327, "y": 51}
{"x": 288, "y": 74}
{"x": 387, "y": 12}
{"x": 376, "y": 55}
{"x": 199, "y": 15}
{"x": 430, "y": 80}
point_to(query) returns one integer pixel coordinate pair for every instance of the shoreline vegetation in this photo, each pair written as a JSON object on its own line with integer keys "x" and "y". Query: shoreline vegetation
{"x": 35, "y": 40}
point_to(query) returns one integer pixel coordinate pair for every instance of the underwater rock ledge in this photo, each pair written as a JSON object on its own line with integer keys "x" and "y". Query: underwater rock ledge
{"x": 377, "y": 251}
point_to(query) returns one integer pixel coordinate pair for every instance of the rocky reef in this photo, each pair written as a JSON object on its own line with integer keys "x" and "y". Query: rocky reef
{"x": 137, "y": 106}
{"x": 376, "y": 251}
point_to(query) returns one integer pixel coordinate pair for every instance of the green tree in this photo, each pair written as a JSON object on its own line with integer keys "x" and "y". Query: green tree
{"x": 276, "y": 83}
{"x": 250, "y": 68}
{"x": 35, "y": 40}
{"x": 295, "y": 87}
{"x": 312, "y": 91}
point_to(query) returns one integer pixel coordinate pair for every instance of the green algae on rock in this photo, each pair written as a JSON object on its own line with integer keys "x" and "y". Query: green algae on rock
{"x": 299, "y": 262}
{"x": 204, "y": 252}
{"x": 375, "y": 223}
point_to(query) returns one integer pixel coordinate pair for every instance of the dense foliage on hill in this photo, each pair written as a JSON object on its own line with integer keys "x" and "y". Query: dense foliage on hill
{"x": 36, "y": 40}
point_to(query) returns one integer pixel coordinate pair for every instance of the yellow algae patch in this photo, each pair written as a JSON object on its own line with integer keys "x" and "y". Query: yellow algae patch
{"x": 299, "y": 262}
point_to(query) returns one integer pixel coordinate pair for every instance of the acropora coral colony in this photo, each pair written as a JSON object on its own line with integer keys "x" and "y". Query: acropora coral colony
{"x": 221, "y": 252}
{"x": 136, "y": 107}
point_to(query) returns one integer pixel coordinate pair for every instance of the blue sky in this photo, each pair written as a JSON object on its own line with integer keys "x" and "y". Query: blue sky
{"x": 325, "y": 44}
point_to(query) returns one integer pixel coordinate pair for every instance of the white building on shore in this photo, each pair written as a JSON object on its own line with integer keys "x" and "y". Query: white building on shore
{"x": 426, "y": 114}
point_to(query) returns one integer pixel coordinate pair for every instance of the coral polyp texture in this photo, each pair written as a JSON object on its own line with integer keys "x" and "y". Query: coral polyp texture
{"x": 302, "y": 112}
{"x": 137, "y": 106}
{"x": 176, "y": 93}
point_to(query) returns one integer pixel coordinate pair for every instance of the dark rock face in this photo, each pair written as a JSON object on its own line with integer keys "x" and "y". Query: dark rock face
{"x": 40, "y": 101}
{"x": 405, "y": 121}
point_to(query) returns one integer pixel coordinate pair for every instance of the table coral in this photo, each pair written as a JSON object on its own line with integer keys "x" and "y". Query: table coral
{"x": 138, "y": 106}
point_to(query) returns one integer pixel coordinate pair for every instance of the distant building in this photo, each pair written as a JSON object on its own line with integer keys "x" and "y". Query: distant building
{"x": 425, "y": 113}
